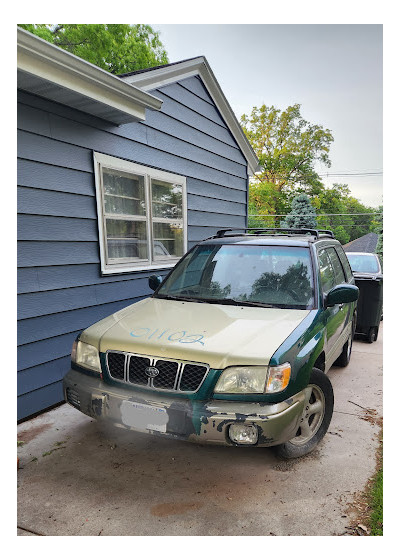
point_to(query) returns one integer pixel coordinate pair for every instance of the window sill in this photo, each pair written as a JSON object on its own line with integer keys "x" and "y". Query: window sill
{"x": 130, "y": 269}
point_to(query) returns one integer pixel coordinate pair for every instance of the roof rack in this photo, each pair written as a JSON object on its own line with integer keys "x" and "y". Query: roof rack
{"x": 317, "y": 233}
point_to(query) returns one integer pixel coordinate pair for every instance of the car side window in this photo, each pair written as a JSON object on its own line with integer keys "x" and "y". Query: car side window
{"x": 326, "y": 271}
{"x": 345, "y": 263}
{"x": 337, "y": 267}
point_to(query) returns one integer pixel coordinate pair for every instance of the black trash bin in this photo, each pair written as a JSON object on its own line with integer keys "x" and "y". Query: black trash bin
{"x": 369, "y": 305}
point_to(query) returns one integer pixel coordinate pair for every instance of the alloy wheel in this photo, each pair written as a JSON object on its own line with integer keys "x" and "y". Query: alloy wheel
{"x": 312, "y": 418}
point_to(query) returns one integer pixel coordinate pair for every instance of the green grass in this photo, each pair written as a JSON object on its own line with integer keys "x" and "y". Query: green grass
{"x": 375, "y": 500}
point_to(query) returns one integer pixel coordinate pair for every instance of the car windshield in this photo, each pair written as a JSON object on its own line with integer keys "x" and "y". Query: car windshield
{"x": 363, "y": 263}
{"x": 270, "y": 276}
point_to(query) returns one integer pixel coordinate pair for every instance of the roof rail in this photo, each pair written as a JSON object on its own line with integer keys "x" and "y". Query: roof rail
{"x": 317, "y": 233}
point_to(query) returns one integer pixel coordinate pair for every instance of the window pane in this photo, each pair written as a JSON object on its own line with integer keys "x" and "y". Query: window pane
{"x": 326, "y": 271}
{"x": 268, "y": 274}
{"x": 345, "y": 263}
{"x": 168, "y": 240}
{"x": 166, "y": 199}
{"x": 123, "y": 193}
{"x": 363, "y": 263}
{"x": 126, "y": 239}
{"x": 337, "y": 267}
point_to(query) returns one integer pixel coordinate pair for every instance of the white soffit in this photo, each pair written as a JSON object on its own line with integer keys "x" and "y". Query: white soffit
{"x": 152, "y": 79}
{"x": 51, "y": 72}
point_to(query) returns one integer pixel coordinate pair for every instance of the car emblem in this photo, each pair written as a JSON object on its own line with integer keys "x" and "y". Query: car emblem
{"x": 151, "y": 372}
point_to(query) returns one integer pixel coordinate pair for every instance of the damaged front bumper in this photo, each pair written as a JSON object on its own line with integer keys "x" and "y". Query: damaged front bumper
{"x": 181, "y": 418}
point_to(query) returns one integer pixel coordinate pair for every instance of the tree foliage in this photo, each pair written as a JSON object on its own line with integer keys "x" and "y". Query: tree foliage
{"x": 302, "y": 214}
{"x": 117, "y": 48}
{"x": 332, "y": 205}
{"x": 287, "y": 146}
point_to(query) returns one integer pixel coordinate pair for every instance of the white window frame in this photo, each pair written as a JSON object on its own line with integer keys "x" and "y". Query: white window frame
{"x": 110, "y": 162}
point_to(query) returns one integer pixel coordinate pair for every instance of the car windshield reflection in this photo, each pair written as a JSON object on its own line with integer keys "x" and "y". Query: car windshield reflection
{"x": 273, "y": 276}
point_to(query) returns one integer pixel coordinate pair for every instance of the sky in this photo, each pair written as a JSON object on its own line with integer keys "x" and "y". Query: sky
{"x": 333, "y": 71}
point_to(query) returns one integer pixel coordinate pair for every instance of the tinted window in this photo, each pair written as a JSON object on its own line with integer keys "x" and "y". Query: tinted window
{"x": 273, "y": 275}
{"x": 337, "y": 267}
{"x": 345, "y": 262}
{"x": 326, "y": 271}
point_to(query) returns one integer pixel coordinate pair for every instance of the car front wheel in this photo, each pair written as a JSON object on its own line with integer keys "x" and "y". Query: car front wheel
{"x": 315, "y": 420}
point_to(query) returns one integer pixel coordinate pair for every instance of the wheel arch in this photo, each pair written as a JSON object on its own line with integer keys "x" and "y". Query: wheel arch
{"x": 320, "y": 362}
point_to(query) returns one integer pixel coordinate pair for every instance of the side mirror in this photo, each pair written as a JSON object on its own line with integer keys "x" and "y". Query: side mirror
{"x": 343, "y": 293}
{"x": 154, "y": 281}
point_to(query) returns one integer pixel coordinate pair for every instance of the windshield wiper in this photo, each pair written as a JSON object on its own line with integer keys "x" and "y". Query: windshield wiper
{"x": 230, "y": 301}
{"x": 178, "y": 298}
{"x": 221, "y": 301}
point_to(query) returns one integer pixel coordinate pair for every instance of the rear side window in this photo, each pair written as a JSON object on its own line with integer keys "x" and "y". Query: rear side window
{"x": 327, "y": 272}
{"x": 345, "y": 262}
{"x": 337, "y": 267}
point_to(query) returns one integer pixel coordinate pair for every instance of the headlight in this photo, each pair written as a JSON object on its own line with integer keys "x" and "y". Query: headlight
{"x": 85, "y": 355}
{"x": 254, "y": 379}
{"x": 242, "y": 379}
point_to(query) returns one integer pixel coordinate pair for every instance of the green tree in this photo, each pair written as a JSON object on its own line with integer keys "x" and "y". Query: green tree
{"x": 334, "y": 206}
{"x": 302, "y": 214}
{"x": 342, "y": 234}
{"x": 117, "y": 48}
{"x": 288, "y": 147}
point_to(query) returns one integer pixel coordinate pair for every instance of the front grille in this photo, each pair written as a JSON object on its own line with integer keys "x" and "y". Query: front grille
{"x": 136, "y": 372}
{"x": 167, "y": 376}
{"x": 192, "y": 376}
{"x": 73, "y": 398}
{"x": 116, "y": 364}
{"x": 173, "y": 375}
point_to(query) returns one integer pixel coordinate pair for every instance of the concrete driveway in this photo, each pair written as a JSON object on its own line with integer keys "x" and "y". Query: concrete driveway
{"x": 77, "y": 479}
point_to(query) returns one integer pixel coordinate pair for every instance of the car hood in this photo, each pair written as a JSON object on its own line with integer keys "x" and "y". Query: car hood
{"x": 218, "y": 335}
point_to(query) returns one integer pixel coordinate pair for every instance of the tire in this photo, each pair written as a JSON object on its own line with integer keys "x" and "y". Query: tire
{"x": 372, "y": 334}
{"x": 306, "y": 439}
{"x": 344, "y": 359}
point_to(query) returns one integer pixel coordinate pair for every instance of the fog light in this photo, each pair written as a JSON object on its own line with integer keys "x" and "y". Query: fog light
{"x": 243, "y": 434}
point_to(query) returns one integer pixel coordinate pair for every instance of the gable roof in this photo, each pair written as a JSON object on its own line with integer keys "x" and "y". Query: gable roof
{"x": 158, "y": 76}
{"x": 365, "y": 244}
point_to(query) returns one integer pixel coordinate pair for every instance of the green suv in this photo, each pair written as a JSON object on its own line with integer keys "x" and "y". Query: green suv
{"x": 232, "y": 348}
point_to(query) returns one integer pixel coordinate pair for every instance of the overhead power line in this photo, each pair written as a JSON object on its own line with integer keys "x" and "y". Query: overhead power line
{"x": 364, "y": 174}
{"x": 315, "y": 215}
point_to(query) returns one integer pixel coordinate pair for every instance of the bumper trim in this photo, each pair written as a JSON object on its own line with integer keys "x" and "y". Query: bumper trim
{"x": 188, "y": 419}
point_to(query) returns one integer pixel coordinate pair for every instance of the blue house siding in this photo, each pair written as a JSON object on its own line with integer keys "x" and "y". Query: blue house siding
{"x": 60, "y": 288}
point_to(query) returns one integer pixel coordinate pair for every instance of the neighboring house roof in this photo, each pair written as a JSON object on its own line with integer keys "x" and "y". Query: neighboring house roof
{"x": 365, "y": 244}
{"x": 152, "y": 78}
{"x": 53, "y": 73}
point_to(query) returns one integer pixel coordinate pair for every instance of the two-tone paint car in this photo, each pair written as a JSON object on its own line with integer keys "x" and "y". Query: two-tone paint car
{"x": 232, "y": 348}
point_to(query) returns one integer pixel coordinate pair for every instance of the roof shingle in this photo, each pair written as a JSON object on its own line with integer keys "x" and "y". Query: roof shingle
{"x": 365, "y": 244}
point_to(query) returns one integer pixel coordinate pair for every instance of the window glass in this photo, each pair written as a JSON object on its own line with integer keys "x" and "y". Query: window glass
{"x": 123, "y": 193}
{"x": 167, "y": 239}
{"x": 126, "y": 239}
{"x": 141, "y": 214}
{"x": 327, "y": 273}
{"x": 345, "y": 263}
{"x": 280, "y": 276}
{"x": 166, "y": 201}
{"x": 124, "y": 200}
{"x": 363, "y": 263}
{"x": 337, "y": 267}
